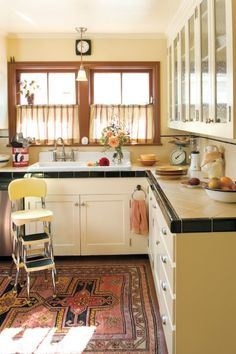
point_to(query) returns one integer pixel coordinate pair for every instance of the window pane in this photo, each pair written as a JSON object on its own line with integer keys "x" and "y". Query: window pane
{"x": 40, "y": 93}
{"x": 107, "y": 88}
{"x": 135, "y": 88}
{"x": 62, "y": 88}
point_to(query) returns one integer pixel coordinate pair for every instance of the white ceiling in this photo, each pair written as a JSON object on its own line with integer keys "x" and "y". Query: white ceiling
{"x": 60, "y": 17}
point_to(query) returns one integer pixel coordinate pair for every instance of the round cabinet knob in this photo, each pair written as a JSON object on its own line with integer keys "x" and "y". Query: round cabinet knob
{"x": 163, "y": 231}
{"x": 163, "y": 285}
{"x": 157, "y": 242}
{"x": 76, "y": 204}
{"x": 164, "y": 259}
{"x": 83, "y": 204}
{"x": 164, "y": 319}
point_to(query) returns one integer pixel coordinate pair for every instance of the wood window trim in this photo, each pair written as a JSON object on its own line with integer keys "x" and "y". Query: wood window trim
{"x": 83, "y": 89}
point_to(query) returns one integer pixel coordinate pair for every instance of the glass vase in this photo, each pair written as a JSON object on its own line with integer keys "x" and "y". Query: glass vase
{"x": 30, "y": 98}
{"x": 118, "y": 156}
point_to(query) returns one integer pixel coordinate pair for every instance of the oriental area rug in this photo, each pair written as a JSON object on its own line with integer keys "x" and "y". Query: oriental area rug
{"x": 99, "y": 308}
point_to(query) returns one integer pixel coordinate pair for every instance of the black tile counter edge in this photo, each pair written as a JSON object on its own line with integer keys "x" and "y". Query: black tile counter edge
{"x": 194, "y": 225}
{"x": 73, "y": 174}
{"x": 171, "y": 217}
{"x": 175, "y": 224}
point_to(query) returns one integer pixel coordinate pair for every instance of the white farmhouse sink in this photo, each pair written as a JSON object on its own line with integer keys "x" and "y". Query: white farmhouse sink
{"x": 75, "y": 166}
{"x": 46, "y": 164}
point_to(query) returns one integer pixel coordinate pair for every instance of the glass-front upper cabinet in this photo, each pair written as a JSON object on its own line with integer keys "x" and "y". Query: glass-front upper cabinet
{"x": 192, "y": 69}
{"x": 204, "y": 58}
{"x": 170, "y": 90}
{"x": 221, "y": 77}
{"x": 202, "y": 70}
{"x": 176, "y": 78}
{"x": 183, "y": 75}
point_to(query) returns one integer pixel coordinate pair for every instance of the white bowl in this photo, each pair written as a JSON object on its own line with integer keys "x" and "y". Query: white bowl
{"x": 4, "y": 159}
{"x": 221, "y": 195}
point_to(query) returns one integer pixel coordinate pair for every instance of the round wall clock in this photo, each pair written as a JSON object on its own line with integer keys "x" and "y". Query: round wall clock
{"x": 178, "y": 157}
{"x": 83, "y": 47}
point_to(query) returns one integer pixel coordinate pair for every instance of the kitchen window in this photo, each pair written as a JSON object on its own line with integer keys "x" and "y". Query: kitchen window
{"x": 126, "y": 92}
{"x": 123, "y": 96}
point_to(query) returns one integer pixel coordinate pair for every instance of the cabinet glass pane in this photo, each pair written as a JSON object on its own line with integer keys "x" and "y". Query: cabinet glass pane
{"x": 192, "y": 70}
{"x": 175, "y": 79}
{"x": 221, "y": 63}
{"x": 170, "y": 84}
{"x": 183, "y": 75}
{"x": 205, "y": 78}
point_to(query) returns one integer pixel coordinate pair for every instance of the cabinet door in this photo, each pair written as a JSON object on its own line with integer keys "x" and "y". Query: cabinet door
{"x": 221, "y": 69}
{"x": 206, "y": 105}
{"x": 205, "y": 101}
{"x": 105, "y": 224}
{"x": 65, "y": 224}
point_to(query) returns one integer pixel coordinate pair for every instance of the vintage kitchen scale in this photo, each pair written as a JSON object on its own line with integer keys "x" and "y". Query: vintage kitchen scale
{"x": 178, "y": 156}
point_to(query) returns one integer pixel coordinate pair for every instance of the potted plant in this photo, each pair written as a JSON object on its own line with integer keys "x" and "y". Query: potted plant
{"x": 27, "y": 89}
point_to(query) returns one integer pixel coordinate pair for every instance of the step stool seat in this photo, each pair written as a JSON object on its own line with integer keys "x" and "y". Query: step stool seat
{"x": 22, "y": 217}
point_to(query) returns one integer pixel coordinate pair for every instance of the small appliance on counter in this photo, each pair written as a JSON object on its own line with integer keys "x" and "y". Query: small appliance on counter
{"x": 178, "y": 156}
{"x": 194, "y": 168}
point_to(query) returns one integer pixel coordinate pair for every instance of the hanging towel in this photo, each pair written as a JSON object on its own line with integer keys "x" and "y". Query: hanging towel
{"x": 138, "y": 217}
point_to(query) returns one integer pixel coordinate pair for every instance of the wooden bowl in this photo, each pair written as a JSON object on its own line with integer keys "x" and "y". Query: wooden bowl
{"x": 147, "y": 162}
{"x": 147, "y": 157}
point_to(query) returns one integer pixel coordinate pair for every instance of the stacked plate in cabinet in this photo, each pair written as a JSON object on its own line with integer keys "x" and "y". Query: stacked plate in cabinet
{"x": 171, "y": 172}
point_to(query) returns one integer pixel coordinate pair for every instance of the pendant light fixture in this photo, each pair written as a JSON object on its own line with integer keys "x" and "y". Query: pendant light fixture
{"x": 81, "y": 72}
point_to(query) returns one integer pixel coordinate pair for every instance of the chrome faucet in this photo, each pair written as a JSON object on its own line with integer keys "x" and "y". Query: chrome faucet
{"x": 63, "y": 154}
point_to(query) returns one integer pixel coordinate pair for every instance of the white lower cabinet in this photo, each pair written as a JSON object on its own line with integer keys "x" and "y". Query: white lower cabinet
{"x": 194, "y": 278}
{"x": 92, "y": 216}
{"x": 65, "y": 225}
{"x": 105, "y": 224}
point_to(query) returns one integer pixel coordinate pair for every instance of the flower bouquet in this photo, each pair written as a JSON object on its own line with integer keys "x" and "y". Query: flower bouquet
{"x": 114, "y": 136}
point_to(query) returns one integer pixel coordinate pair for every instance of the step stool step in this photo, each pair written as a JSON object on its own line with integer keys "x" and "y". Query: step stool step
{"x": 40, "y": 264}
{"x": 35, "y": 238}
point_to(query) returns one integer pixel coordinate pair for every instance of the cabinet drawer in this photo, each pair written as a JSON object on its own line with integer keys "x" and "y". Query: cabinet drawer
{"x": 167, "y": 294}
{"x": 167, "y": 326}
{"x": 168, "y": 265}
{"x": 167, "y": 236}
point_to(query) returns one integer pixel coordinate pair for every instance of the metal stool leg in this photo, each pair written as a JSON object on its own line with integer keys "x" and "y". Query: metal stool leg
{"x": 53, "y": 282}
{"x": 28, "y": 286}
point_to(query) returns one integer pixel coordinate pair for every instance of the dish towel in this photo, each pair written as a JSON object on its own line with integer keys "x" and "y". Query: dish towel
{"x": 138, "y": 217}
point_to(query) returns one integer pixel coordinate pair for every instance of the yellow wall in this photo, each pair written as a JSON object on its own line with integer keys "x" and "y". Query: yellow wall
{"x": 3, "y": 84}
{"x": 103, "y": 49}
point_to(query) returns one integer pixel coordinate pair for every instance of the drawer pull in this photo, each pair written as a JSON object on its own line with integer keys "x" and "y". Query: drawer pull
{"x": 157, "y": 242}
{"x": 164, "y": 259}
{"x": 154, "y": 206}
{"x": 164, "y": 319}
{"x": 163, "y": 286}
{"x": 163, "y": 231}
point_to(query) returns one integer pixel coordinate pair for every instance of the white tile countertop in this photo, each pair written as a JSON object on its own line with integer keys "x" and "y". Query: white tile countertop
{"x": 194, "y": 202}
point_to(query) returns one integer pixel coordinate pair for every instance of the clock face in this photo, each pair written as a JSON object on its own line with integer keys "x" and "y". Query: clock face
{"x": 178, "y": 157}
{"x": 83, "y": 47}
